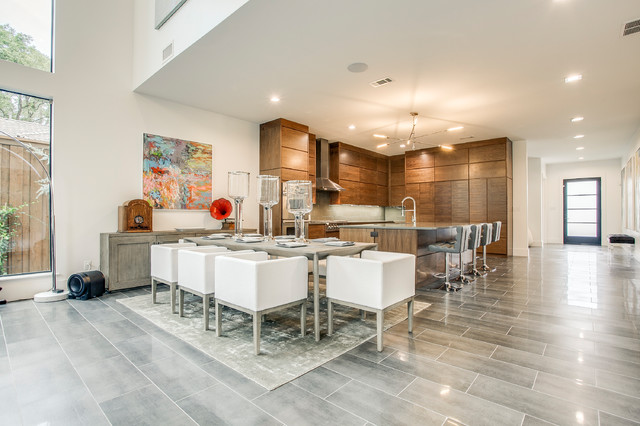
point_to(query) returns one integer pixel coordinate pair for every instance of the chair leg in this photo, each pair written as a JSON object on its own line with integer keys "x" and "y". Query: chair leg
{"x": 218, "y": 319}
{"x": 330, "y": 317}
{"x": 172, "y": 286}
{"x": 380, "y": 325}
{"x": 410, "y": 315}
{"x": 256, "y": 332}
{"x": 485, "y": 267}
{"x": 303, "y": 318}
{"x": 205, "y": 310}
{"x": 180, "y": 302}
{"x": 154, "y": 289}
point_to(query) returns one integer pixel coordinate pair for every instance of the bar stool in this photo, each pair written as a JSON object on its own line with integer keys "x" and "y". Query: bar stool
{"x": 474, "y": 243}
{"x": 495, "y": 236}
{"x": 449, "y": 247}
{"x": 485, "y": 239}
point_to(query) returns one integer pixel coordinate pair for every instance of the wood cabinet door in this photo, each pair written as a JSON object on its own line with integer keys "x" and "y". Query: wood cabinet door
{"x": 129, "y": 261}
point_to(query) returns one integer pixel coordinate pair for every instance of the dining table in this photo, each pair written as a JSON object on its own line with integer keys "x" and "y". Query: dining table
{"x": 312, "y": 250}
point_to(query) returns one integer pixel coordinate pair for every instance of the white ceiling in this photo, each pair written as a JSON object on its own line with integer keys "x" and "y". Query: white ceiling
{"x": 497, "y": 67}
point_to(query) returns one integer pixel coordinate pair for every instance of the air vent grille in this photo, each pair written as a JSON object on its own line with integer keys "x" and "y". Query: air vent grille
{"x": 167, "y": 52}
{"x": 631, "y": 28}
{"x": 381, "y": 82}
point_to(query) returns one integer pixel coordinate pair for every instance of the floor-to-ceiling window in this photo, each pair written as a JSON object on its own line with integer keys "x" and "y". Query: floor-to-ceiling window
{"x": 582, "y": 211}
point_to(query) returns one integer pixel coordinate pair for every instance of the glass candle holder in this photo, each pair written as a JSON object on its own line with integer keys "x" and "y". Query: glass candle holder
{"x": 268, "y": 196}
{"x": 238, "y": 190}
{"x": 298, "y": 198}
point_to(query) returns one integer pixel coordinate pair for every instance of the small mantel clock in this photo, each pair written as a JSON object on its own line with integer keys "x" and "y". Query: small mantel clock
{"x": 135, "y": 216}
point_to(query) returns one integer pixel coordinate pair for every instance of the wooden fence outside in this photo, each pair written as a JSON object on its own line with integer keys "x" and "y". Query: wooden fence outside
{"x": 20, "y": 175}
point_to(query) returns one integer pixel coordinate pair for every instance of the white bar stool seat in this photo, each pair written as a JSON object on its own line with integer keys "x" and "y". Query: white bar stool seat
{"x": 376, "y": 282}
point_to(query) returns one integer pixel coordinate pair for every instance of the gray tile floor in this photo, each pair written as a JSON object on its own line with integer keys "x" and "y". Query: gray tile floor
{"x": 549, "y": 339}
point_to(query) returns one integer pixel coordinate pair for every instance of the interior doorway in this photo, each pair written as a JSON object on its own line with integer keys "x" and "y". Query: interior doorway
{"x": 582, "y": 211}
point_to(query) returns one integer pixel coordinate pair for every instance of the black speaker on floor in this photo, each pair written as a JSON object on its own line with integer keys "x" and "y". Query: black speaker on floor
{"x": 85, "y": 285}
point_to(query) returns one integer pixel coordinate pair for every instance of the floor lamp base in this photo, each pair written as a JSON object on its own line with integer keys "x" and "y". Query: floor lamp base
{"x": 51, "y": 296}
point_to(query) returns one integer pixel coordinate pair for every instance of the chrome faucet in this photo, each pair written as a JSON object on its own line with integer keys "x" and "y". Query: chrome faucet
{"x": 413, "y": 217}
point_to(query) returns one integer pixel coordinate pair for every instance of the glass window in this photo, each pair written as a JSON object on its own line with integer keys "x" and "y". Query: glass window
{"x": 25, "y": 32}
{"x": 584, "y": 187}
{"x": 24, "y": 188}
{"x": 582, "y": 202}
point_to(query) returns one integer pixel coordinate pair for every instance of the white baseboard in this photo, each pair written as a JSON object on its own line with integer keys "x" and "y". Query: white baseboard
{"x": 521, "y": 252}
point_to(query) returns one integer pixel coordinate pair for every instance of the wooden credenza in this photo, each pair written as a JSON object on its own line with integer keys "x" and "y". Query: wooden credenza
{"x": 125, "y": 256}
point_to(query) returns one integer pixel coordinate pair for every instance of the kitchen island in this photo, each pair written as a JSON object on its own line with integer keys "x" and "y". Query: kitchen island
{"x": 406, "y": 238}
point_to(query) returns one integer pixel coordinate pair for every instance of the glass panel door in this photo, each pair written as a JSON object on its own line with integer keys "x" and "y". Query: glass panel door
{"x": 582, "y": 211}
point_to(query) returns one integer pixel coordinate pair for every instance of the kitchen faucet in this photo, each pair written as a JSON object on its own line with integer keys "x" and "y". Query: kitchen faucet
{"x": 413, "y": 217}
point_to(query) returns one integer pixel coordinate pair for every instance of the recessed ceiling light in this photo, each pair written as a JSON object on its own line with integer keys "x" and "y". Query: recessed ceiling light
{"x": 580, "y": 158}
{"x": 358, "y": 67}
{"x": 352, "y": 126}
{"x": 572, "y": 78}
{"x": 275, "y": 99}
{"x": 578, "y": 136}
{"x": 580, "y": 148}
{"x": 402, "y": 145}
{"x": 380, "y": 136}
{"x": 451, "y": 129}
{"x": 576, "y": 119}
{"x": 447, "y": 147}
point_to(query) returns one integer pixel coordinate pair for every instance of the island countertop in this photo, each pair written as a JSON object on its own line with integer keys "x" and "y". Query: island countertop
{"x": 420, "y": 226}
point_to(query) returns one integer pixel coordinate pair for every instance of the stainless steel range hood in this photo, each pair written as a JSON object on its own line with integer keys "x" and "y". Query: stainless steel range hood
{"x": 323, "y": 183}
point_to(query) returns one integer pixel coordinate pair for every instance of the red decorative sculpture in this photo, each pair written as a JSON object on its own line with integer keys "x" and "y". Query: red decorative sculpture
{"x": 220, "y": 209}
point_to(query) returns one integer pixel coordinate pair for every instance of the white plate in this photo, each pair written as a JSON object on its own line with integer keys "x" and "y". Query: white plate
{"x": 250, "y": 239}
{"x": 251, "y": 235}
{"x": 291, "y": 244}
{"x": 216, "y": 237}
{"x": 339, "y": 243}
{"x": 190, "y": 229}
{"x": 325, "y": 240}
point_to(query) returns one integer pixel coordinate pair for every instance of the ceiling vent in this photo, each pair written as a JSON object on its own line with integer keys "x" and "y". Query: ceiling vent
{"x": 167, "y": 52}
{"x": 381, "y": 82}
{"x": 631, "y": 28}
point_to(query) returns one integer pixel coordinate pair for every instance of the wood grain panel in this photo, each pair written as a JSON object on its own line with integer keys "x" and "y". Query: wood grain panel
{"x": 419, "y": 159}
{"x": 383, "y": 195}
{"x": 396, "y": 194}
{"x": 334, "y": 162}
{"x": 349, "y": 157}
{"x": 269, "y": 146}
{"x": 357, "y": 234}
{"x": 412, "y": 190}
{"x": 487, "y": 169}
{"x": 292, "y": 125}
{"x": 447, "y": 158}
{"x": 488, "y": 153}
{"x": 509, "y": 159}
{"x": 442, "y": 197}
{"x": 294, "y": 159}
{"x": 477, "y": 200}
{"x": 398, "y": 240}
{"x": 397, "y": 179}
{"x": 383, "y": 165}
{"x": 289, "y": 174}
{"x": 460, "y": 201}
{"x": 368, "y": 162}
{"x": 382, "y": 178}
{"x": 295, "y": 139}
{"x": 351, "y": 194}
{"x": 396, "y": 164}
{"x": 457, "y": 172}
{"x": 419, "y": 175}
{"x": 369, "y": 176}
{"x": 347, "y": 172}
{"x": 312, "y": 145}
{"x": 316, "y": 231}
{"x": 426, "y": 205}
{"x": 368, "y": 194}
{"x": 497, "y": 199}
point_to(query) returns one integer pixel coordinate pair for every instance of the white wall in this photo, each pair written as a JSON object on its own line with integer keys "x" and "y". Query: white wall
{"x": 607, "y": 170}
{"x": 193, "y": 20}
{"x": 635, "y": 146}
{"x": 97, "y": 137}
{"x": 520, "y": 209}
{"x": 534, "y": 196}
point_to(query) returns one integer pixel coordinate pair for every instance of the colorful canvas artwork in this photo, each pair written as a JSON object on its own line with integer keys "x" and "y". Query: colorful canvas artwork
{"x": 176, "y": 173}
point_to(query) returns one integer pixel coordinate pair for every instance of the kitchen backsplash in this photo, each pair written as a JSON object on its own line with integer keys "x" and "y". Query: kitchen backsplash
{"x": 323, "y": 210}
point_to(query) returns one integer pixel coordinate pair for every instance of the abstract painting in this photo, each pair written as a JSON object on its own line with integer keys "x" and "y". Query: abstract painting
{"x": 176, "y": 174}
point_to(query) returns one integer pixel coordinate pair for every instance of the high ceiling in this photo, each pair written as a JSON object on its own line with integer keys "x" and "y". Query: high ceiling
{"x": 496, "y": 67}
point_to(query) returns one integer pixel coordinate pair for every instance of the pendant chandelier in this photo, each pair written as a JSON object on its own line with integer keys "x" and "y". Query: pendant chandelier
{"x": 411, "y": 141}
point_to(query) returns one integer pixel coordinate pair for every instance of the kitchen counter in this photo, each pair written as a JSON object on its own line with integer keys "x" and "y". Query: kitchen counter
{"x": 420, "y": 226}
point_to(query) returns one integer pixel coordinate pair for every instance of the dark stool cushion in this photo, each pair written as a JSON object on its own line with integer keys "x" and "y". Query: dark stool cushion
{"x": 621, "y": 239}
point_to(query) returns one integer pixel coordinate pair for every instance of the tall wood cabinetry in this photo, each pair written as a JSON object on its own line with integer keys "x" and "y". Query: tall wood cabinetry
{"x": 284, "y": 152}
{"x": 470, "y": 184}
{"x": 363, "y": 174}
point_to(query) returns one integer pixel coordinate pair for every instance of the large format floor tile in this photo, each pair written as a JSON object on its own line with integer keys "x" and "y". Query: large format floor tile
{"x": 552, "y": 339}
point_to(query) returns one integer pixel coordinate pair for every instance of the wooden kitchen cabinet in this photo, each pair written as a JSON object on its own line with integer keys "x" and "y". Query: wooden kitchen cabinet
{"x": 286, "y": 151}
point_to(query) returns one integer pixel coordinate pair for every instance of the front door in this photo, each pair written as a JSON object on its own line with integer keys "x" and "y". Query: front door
{"x": 582, "y": 211}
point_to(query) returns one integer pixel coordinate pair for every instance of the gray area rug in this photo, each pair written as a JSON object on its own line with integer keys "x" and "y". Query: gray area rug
{"x": 285, "y": 354}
